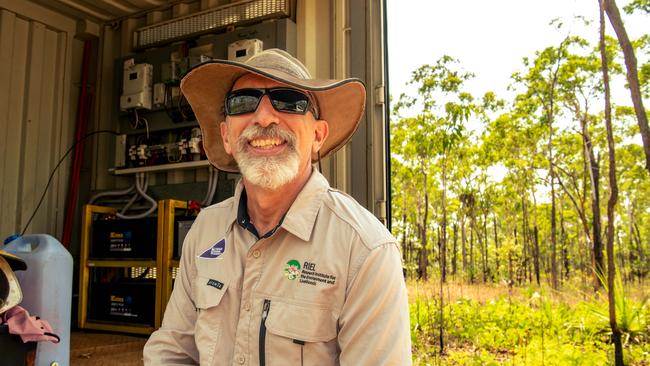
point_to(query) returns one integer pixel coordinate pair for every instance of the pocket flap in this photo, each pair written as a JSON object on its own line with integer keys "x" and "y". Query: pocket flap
{"x": 301, "y": 322}
{"x": 208, "y": 292}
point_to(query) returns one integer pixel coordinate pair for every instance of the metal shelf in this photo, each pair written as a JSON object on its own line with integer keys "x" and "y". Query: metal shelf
{"x": 115, "y": 327}
{"x": 128, "y": 263}
{"x": 162, "y": 167}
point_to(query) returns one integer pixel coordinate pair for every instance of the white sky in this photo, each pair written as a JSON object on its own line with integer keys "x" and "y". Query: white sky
{"x": 489, "y": 38}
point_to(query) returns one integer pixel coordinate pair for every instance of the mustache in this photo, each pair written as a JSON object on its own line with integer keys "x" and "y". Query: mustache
{"x": 273, "y": 131}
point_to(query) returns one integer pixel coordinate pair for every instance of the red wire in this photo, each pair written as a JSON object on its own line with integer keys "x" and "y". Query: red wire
{"x": 82, "y": 124}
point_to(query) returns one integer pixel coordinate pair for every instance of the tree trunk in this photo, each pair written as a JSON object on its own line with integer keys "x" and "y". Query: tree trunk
{"x": 632, "y": 75}
{"x": 594, "y": 176}
{"x": 423, "y": 259}
{"x": 642, "y": 263}
{"x": 613, "y": 195}
{"x": 455, "y": 253}
{"x": 496, "y": 243}
{"x": 463, "y": 243}
{"x": 536, "y": 254}
{"x": 527, "y": 251}
{"x": 563, "y": 242}
{"x": 443, "y": 239}
{"x": 484, "y": 255}
{"x": 471, "y": 249}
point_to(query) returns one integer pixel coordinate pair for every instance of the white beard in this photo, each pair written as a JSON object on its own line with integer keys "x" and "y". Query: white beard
{"x": 267, "y": 172}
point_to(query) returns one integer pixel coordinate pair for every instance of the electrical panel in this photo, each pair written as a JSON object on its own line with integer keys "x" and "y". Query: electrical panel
{"x": 156, "y": 122}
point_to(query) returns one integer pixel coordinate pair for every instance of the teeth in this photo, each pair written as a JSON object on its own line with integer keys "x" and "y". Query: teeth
{"x": 265, "y": 143}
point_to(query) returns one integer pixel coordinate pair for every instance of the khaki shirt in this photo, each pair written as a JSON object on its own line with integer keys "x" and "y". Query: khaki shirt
{"x": 326, "y": 288}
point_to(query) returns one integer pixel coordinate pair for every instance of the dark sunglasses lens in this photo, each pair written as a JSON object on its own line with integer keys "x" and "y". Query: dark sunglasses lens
{"x": 242, "y": 101}
{"x": 289, "y": 100}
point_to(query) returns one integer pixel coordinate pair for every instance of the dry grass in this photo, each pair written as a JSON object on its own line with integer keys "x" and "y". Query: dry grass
{"x": 571, "y": 292}
{"x": 457, "y": 290}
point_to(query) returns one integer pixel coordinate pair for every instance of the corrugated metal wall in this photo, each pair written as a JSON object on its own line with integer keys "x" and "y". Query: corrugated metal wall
{"x": 36, "y": 121}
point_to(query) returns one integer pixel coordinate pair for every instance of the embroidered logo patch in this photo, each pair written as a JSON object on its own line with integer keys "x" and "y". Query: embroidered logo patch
{"x": 214, "y": 283}
{"x": 215, "y": 251}
{"x": 292, "y": 269}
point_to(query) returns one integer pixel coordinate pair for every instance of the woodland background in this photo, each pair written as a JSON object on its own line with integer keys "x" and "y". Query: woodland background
{"x": 515, "y": 216}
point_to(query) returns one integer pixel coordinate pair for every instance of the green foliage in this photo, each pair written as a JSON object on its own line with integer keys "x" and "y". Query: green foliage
{"x": 530, "y": 329}
{"x": 637, "y": 5}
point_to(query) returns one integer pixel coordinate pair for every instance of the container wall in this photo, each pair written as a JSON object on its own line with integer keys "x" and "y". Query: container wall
{"x": 37, "y": 99}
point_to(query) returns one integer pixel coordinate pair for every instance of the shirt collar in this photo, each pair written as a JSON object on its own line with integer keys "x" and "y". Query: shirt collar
{"x": 301, "y": 217}
{"x": 244, "y": 220}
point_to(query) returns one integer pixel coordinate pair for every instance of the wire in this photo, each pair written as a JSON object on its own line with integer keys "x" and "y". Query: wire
{"x": 49, "y": 181}
{"x": 139, "y": 181}
{"x": 111, "y": 193}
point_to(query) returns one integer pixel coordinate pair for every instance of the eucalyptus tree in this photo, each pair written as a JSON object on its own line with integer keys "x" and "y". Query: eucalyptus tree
{"x": 607, "y": 5}
{"x": 429, "y": 139}
{"x": 616, "y": 20}
{"x": 579, "y": 86}
{"x": 541, "y": 82}
{"x": 411, "y": 170}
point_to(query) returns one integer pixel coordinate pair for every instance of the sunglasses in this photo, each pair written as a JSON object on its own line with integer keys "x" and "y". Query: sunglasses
{"x": 286, "y": 100}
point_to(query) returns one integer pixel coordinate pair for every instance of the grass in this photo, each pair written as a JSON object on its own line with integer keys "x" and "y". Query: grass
{"x": 501, "y": 325}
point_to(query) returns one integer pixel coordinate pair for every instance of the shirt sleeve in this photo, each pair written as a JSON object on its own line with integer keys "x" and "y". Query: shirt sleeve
{"x": 173, "y": 343}
{"x": 374, "y": 321}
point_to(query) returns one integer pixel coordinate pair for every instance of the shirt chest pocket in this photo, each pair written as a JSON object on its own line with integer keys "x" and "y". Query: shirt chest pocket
{"x": 210, "y": 306}
{"x": 300, "y": 334}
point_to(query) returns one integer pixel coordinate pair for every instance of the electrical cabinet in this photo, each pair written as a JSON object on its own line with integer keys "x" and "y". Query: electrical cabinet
{"x": 162, "y": 130}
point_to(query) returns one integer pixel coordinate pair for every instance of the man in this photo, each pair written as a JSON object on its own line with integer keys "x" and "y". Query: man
{"x": 289, "y": 271}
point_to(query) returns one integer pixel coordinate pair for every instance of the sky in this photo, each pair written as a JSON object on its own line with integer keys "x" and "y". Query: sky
{"x": 489, "y": 38}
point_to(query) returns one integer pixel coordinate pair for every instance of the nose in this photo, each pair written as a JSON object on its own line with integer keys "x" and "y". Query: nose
{"x": 266, "y": 114}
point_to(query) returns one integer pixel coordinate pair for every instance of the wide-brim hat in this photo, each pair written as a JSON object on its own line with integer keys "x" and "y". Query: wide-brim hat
{"x": 340, "y": 102}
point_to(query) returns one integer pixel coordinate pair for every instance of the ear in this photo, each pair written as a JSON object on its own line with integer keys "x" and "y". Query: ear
{"x": 224, "y": 137}
{"x": 321, "y": 131}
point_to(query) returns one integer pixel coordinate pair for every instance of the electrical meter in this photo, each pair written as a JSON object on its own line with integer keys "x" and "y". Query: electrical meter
{"x": 244, "y": 49}
{"x": 136, "y": 85}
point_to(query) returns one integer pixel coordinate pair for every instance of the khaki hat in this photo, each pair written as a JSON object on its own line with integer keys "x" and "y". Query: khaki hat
{"x": 340, "y": 102}
{"x": 10, "y": 294}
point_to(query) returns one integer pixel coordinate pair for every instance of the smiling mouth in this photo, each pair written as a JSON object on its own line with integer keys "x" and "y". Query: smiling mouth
{"x": 266, "y": 143}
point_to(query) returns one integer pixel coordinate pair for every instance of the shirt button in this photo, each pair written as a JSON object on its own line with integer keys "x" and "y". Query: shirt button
{"x": 241, "y": 359}
{"x": 247, "y": 306}
{"x": 256, "y": 253}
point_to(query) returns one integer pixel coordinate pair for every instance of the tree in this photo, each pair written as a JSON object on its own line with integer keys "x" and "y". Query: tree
{"x": 613, "y": 194}
{"x": 632, "y": 74}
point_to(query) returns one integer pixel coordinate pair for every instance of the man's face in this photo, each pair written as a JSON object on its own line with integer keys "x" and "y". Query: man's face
{"x": 272, "y": 148}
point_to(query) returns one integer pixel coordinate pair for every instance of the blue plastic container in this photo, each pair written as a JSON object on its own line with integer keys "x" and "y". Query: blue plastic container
{"x": 47, "y": 290}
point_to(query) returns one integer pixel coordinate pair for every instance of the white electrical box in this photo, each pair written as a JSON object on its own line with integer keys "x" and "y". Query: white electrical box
{"x": 136, "y": 85}
{"x": 243, "y": 49}
{"x": 120, "y": 151}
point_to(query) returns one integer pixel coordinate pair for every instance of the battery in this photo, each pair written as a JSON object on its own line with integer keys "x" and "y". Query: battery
{"x": 182, "y": 225}
{"x": 129, "y": 302}
{"x": 121, "y": 239}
